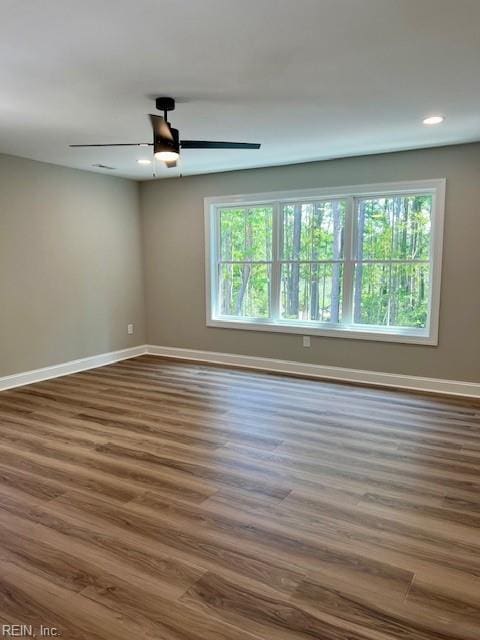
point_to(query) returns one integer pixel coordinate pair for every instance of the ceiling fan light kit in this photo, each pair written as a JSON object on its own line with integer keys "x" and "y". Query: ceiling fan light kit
{"x": 166, "y": 139}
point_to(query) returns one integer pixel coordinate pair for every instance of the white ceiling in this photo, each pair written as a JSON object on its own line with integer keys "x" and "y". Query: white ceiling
{"x": 309, "y": 79}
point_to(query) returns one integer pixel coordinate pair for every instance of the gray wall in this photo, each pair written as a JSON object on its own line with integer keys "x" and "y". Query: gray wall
{"x": 174, "y": 263}
{"x": 71, "y": 274}
{"x": 71, "y": 264}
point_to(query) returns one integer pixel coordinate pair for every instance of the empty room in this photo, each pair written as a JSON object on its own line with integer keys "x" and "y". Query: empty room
{"x": 240, "y": 319}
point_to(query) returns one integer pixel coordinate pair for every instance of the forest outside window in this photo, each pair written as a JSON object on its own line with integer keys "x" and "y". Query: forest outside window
{"x": 363, "y": 262}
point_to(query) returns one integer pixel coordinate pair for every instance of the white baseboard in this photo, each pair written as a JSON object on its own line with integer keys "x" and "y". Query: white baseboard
{"x": 73, "y": 366}
{"x": 396, "y": 380}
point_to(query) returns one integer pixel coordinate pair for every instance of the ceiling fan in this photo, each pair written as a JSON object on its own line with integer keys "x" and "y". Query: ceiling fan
{"x": 166, "y": 140}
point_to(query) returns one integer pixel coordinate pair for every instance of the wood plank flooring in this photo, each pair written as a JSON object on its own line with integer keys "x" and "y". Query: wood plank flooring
{"x": 152, "y": 499}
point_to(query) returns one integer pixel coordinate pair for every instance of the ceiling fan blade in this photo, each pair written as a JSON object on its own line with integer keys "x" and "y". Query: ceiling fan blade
{"x": 113, "y": 144}
{"x": 160, "y": 127}
{"x": 171, "y": 164}
{"x": 209, "y": 144}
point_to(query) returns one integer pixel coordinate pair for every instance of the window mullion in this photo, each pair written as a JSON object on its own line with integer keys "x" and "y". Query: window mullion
{"x": 275, "y": 275}
{"x": 349, "y": 264}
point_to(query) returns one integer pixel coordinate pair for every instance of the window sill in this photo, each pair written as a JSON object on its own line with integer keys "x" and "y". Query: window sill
{"x": 375, "y": 334}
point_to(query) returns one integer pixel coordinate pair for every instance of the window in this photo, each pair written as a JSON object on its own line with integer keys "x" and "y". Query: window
{"x": 360, "y": 262}
{"x": 245, "y": 261}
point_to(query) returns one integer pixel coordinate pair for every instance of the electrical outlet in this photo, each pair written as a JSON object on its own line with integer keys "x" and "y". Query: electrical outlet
{"x": 306, "y": 341}
{"x": 130, "y": 329}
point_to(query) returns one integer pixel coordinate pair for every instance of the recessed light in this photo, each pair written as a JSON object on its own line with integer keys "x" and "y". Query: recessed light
{"x": 144, "y": 161}
{"x": 143, "y": 144}
{"x": 433, "y": 120}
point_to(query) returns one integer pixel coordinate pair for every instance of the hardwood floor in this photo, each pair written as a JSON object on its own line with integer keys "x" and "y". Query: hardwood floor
{"x": 153, "y": 499}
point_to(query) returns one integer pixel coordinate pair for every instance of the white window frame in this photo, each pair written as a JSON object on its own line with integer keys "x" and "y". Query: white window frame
{"x": 427, "y": 336}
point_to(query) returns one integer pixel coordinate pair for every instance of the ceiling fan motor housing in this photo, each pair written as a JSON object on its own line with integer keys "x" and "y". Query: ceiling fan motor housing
{"x": 161, "y": 143}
